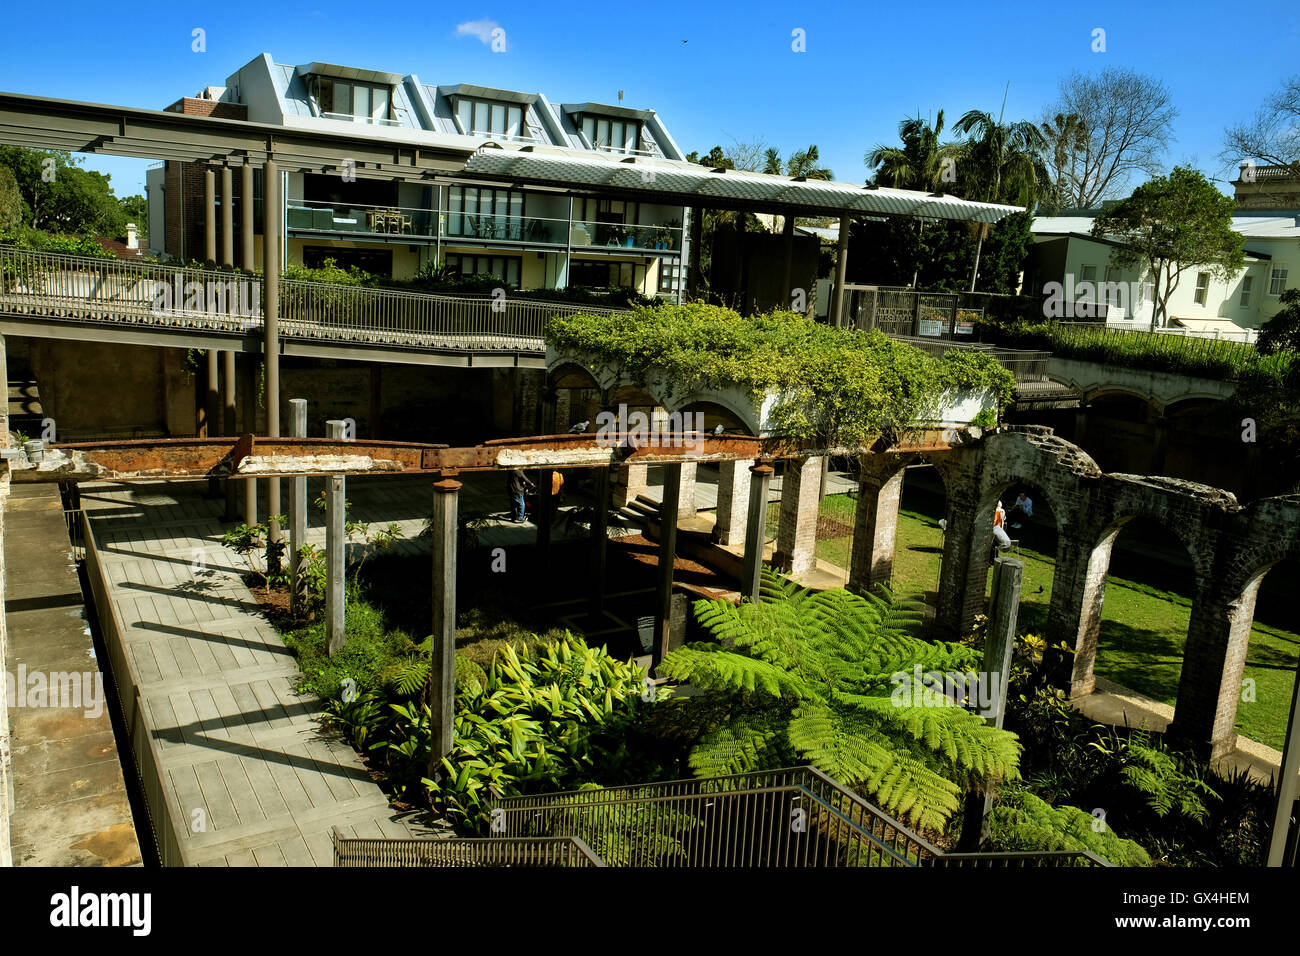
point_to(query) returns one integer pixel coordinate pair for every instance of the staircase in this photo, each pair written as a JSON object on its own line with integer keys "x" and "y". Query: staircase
{"x": 25, "y": 412}
{"x": 795, "y": 817}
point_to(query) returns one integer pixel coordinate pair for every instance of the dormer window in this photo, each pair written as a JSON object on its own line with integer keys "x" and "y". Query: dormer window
{"x": 612, "y": 135}
{"x": 350, "y": 94}
{"x": 611, "y": 129}
{"x": 486, "y": 118}
{"x": 341, "y": 99}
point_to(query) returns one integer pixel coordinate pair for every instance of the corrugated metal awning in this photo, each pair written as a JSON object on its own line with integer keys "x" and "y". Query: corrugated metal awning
{"x": 693, "y": 185}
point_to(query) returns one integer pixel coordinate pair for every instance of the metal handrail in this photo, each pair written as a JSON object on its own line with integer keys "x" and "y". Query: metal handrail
{"x": 57, "y": 286}
{"x": 790, "y": 817}
{"x": 474, "y": 851}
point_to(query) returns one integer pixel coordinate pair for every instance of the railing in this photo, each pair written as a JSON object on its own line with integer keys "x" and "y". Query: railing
{"x": 490, "y": 851}
{"x": 323, "y": 311}
{"x": 471, "y": 225}
{"x": 1137, "y": 327}
{"x": 312, "y": 216}
{"x": 781, "y": 818}
{"x": 87, "y": 289}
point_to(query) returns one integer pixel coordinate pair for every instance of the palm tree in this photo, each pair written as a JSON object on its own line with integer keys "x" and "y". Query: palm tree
{"x": 1067, "y": 137}
{"x": 919, "y": 164}
{"x": 804, "y": 163}
{"x": 1002, "y": 162}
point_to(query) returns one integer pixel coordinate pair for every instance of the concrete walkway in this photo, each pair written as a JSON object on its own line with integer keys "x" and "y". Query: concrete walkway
{"x": 238, "y": 770}
{"x": 70, "y": 799}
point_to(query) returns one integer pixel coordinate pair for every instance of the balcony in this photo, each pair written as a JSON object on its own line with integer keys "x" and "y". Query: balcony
{"x": 306, "y": 216}
{"x": 467, "y": 227}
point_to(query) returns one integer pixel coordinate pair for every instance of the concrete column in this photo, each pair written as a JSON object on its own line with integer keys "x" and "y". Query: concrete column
{"x": 297, "y": 505}
{"x": 6, "y": 749}
{"x": 599, "y": 541}
{"x": 210, "y": 214}
{"x": 228, "y": 426}
{"x": 1214, "y": 659}
{"x": 1078, "y": 590}
{"x": 1287, "y": 787}
{"x": 963, "y": 573}
{"x": 733, "y": 501}
{"x": 667, "y": 556}
{"x": 227, "y": 216}
{"x": 755, "y": 532}
{"x": 246, "y": 215}
{"x": 336, "y": 546}
{"x": 796, "y": 536}
{"x": 836, "y": 314}
{"x": 685, "y": 489}
{"x": 271, "y": 227}
{"x": 208, "y": 427}
{"x": 442, "y": 673}
{"x": 875, "y": 526}
{"x": 631, "y": 482}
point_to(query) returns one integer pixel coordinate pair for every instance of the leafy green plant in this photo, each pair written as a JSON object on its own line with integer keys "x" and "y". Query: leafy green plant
{"x": 1022, "y": 821}
{"x": 832, "y": 676}
{"x": 253, "y": 543}
{"x": 835, "y": 386}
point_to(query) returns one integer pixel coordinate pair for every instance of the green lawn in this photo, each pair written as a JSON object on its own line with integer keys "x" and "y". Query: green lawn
{"x": 1143, "y": 628}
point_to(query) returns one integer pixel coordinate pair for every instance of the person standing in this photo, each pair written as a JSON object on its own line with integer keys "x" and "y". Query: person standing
{"x": 518, "y": 484}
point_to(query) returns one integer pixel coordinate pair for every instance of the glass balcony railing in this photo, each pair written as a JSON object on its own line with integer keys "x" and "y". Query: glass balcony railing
{"x": 347, "y": 217}
{"x": 475, "y": 228}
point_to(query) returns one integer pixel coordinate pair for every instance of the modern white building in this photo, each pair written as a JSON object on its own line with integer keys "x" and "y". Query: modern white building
{"x": 1066, "y": 256}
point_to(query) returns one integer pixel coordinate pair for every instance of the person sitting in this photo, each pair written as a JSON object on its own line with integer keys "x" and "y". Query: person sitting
{"x": 1025, "y": 505}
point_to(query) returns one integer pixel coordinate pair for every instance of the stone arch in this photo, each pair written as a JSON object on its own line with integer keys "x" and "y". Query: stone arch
{"x": 875, "y": 520}
{"x": 1088, "y": 605}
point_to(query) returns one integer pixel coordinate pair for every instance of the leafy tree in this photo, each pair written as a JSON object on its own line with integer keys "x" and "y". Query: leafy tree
{"x": 1122, "y": 124}
{"x": 11, "y": 201}
{"x": 1169, "y": 225}
{"x": 67, "y": 198}
{"x": 918, "y": 163}
{"x": 1282, "y": 331}
{"x": 136, "y": 209}
{"x": 1001, "y": 162}
{"x": 830, "y": 677}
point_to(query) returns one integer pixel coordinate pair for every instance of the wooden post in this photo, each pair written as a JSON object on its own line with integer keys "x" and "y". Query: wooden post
{"x": 836, "y": 315}
{"x": 995, "y": 672}
{"x": 442, "y": 672}
{"x": 667, "y": 555}
{"x": 755, "y": 532}
{"x": 227, "y": 216}
{"x": 297, "y": 507}
{"x": 336, "y": 545}
{"x": 599, "y": 540}
{"x": 228, "y": 424}
{"x": 1286, "y": 784}
{"x": 246, "y": 214}
{"x": 271, "y": 226}
{"x": 545, "y": 504}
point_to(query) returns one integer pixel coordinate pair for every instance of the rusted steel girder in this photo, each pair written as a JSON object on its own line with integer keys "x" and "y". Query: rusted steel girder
{"x": 247, "y": 456}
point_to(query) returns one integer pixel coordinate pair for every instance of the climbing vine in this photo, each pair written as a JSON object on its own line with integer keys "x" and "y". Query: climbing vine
{"x": 835, "y": 386}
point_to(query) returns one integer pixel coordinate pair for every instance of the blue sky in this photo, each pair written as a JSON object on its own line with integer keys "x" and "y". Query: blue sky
{"x": 713, "y": 71}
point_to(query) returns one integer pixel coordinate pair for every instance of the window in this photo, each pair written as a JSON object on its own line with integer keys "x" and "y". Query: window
{"x": 1202, "y": 287}
{"x": 605, "y": 275}
{"x": 507, "y": 267}
{"x": 670, "y": 276}
{"x": 1088, "y": 274}
{"x": 614, "y": 135}
{"x": 1148, "y": 293}
{"x": 1246, "y": 283}
{"x": 1277, "y": 281}
{"x": 485, "y": 213}
{"x": 1111, "y": 288}
{"x": 364, "y": 102}
{"x": 486, "y": 118}
{"x": 602, "y": 219}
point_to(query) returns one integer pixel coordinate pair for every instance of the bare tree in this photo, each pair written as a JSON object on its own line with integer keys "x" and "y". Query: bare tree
{"x": 747, "y": 155}
{"x": 1110, "y": 125}
{"x": 1272, "y": 136}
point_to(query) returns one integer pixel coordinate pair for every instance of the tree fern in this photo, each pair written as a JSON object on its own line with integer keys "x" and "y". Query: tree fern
{"x": 818, "y": 676}
{"x": 1022, "y": 821}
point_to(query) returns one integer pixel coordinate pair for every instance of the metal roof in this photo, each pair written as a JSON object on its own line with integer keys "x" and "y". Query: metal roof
{"x": 694, "y": 185}
{"x": 349, "y": 73}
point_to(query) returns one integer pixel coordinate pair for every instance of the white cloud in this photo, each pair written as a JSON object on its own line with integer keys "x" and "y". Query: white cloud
{"x": 478, "y": 28}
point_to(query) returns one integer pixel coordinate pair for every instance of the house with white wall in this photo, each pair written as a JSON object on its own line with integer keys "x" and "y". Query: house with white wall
{"x": 1066, "y": 256}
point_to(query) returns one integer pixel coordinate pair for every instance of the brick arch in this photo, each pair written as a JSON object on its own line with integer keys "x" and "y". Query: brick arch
{"x": 875, "y": 520}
